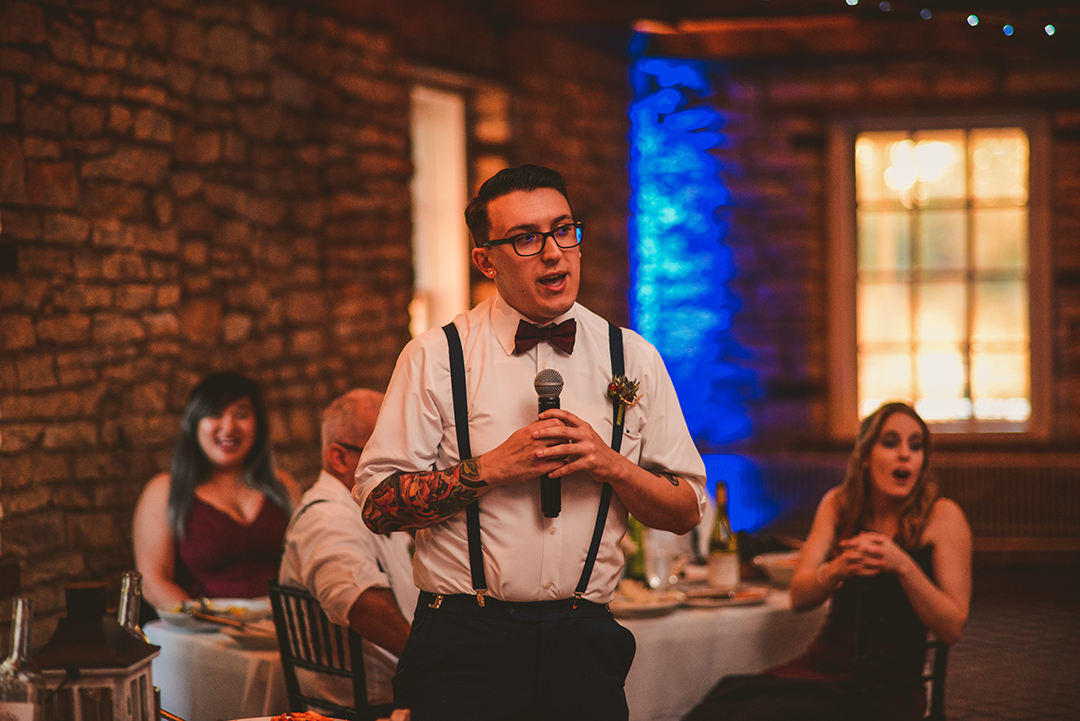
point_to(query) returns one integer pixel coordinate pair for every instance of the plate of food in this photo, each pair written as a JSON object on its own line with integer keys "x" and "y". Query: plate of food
{"x": 709, "y": 597}
{"x": 206, "y": 615}
{"x": 633, "y": 599}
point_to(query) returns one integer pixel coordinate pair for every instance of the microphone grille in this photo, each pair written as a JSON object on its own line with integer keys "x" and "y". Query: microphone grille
{"x": 548, "y": 382}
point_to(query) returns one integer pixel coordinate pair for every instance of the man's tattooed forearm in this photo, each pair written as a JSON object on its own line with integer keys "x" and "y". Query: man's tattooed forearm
{"x": 418, "y": 500}
{"x": 671, "y": 477}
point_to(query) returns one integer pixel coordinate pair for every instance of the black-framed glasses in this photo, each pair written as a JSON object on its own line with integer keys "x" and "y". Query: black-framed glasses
{"x": 533, "y": 243}
{"x": 350, "y": 446}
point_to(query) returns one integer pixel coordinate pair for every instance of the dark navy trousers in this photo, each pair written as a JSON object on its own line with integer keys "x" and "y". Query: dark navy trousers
{"x": 514, "y": 662}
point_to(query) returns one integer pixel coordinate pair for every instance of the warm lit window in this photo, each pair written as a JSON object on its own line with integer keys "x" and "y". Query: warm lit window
{"x": 942, "y": 274}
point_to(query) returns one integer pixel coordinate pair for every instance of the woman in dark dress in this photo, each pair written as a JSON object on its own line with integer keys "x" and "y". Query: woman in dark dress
{"x": 896, "y": 560}
{"x": 213, "y": 526}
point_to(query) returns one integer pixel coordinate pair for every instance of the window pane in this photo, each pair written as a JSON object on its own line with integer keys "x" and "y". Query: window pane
{"x": 941, "y": 372}
{"x": 883, "y": 377}
{"x": 942, "y": 239}
{"x": 939, "y": 166}
{"x": 999, "y": 166}
{"x": 1000, "y": 312}
{"x": 1000, "y": 386}
{"x": 884, "y": 240}
{"x": 1000, "y": 238}
{"x": 883, "y": 314}
{"x": 874, "y": 162}
{"x": 940, "y": 312}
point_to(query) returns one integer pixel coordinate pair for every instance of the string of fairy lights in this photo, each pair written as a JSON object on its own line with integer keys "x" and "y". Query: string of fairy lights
{"x": 1008, "y": 24}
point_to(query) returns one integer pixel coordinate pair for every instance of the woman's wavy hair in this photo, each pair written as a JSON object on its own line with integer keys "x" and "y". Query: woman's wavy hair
{"x": 190, "y": 466}
{"x": 853, "y": 510}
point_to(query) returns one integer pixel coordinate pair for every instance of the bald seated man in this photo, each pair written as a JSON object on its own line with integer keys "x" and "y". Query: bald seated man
{"x": 362, "y": 579}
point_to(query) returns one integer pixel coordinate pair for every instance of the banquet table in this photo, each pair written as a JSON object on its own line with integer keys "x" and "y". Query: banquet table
{"x": 210, "y": 676}
{"x": 681, "y": 656}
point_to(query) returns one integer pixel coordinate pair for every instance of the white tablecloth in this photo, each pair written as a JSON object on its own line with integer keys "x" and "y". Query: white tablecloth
{"x": 210, "y": 677}
{"x": 682, "y": 655}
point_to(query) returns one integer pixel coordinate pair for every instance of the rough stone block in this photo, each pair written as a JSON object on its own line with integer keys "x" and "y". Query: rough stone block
{"x": 7, "y": 101}
{"x": 17, "y": 332}
{"x": 65, "y": 228}
{"x": 36, "y": 372}
{"x": 107, "y": 58}
{"x": 200, "y": 321}
{"x": 161, "y": 325}
{"x": 154, "y": 30}
{"x": 12, "y": 170}
{"x": 131, "y": 164}
{"x": 228, "y": 47}
{"x": 101, "y": 85}
{"x": 135, "y": 296}
{"x": 151, "y": 124}
{"x": 22, "y": 22}
{"x": 70, "y": 329}
{"x": 116, "y": 32}
{"x": 51, "y": 184}
{"x": 96, "y": 530}
{"x": 237, "y": 327}
{"x": 116, "y": 328}
{"x": 187, "y": 40}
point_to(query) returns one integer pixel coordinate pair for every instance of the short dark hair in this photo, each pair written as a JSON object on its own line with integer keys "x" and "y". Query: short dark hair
{"x": 504, "y": 182}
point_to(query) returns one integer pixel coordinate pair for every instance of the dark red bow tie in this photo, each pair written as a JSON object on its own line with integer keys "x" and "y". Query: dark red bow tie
{"x": 560, "y": 335}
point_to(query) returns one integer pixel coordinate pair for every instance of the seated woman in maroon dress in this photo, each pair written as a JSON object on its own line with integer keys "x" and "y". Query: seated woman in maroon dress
{"x": 213, "y": 526}
{"x": 896, "y": 560}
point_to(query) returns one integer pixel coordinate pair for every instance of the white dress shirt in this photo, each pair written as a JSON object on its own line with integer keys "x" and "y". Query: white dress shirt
{"x": 526, "y": 557}
{"x": 331, "y": 553}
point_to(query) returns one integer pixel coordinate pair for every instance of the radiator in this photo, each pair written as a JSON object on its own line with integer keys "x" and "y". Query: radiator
{"x": 1014, "y": 502}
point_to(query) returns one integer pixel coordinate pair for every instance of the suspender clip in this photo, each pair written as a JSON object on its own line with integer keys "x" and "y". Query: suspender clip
{"x": 436, "y": 602}
{"x": 480, "y": 597}
{"x": 577, "y": 597}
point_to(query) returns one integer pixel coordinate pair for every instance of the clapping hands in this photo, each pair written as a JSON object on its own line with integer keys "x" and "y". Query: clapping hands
{"x": 869, "y": 554}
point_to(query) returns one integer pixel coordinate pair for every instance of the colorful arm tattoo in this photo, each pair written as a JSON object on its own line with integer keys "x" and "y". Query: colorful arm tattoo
{"x": 671, "y": 477}
{"x": 417, "y": 500}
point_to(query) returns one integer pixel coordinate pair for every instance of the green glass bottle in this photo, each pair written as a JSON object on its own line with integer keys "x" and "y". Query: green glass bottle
{"x": 634, "y": 548}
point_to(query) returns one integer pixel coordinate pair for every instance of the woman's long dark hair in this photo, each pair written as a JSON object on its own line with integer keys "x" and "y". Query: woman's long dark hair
{"x": 853, "y": 509}
{"x": 191, "y": 467}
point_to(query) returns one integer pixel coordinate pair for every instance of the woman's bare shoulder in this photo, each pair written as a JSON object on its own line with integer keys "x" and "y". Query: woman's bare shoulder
{"x": 156, "y": 490}
{"x": 946, "y": 519}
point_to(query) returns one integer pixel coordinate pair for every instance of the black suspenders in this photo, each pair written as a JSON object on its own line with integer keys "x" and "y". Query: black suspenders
{"x": 472, "y": 511}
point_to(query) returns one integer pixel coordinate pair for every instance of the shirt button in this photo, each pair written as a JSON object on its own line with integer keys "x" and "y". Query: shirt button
{"x": 549, "y": 584}
{"x": 552, "y": 530}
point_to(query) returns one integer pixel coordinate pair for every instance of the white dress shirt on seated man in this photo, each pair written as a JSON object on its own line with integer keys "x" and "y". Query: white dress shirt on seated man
{"x": 331, "y": 553}
{"x": 527, "y": 557}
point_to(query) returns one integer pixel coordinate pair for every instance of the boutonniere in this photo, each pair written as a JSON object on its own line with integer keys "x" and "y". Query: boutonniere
{"x": 623, "y": 392}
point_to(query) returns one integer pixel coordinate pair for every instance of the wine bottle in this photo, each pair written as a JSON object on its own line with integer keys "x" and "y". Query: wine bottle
{"x": 21, "y": 683}
{"x": 723, "y": 567}
{"x": 130, "y": 604}
{"x": 634, "y": 547}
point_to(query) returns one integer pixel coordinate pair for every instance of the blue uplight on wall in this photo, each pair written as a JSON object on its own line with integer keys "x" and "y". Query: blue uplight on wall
{"x": 680, "y": 300}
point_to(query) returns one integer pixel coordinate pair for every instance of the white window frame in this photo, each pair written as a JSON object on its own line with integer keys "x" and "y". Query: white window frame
{"x": 843, "y": 380}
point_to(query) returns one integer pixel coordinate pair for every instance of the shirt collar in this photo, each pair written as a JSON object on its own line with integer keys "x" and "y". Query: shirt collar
{"x": 504, "y": 319}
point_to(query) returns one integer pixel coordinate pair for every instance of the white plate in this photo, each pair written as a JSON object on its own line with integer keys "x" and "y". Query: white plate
{"x": 254, "y": 635}
{"x": 663, "y": 603}
{"x": 184, "y": 622}
{"x": 745, "y": 596}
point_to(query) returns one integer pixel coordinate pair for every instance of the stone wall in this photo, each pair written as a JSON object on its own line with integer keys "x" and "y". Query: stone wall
{"x": 778, "y": 116}
{"x": 190, "y": 186}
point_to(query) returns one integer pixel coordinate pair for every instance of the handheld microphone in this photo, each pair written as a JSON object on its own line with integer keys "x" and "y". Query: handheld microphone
{"x": 549, "y": 384}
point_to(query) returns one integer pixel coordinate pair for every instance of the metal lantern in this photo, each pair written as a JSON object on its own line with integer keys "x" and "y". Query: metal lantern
{"x": 95, "y": 669}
